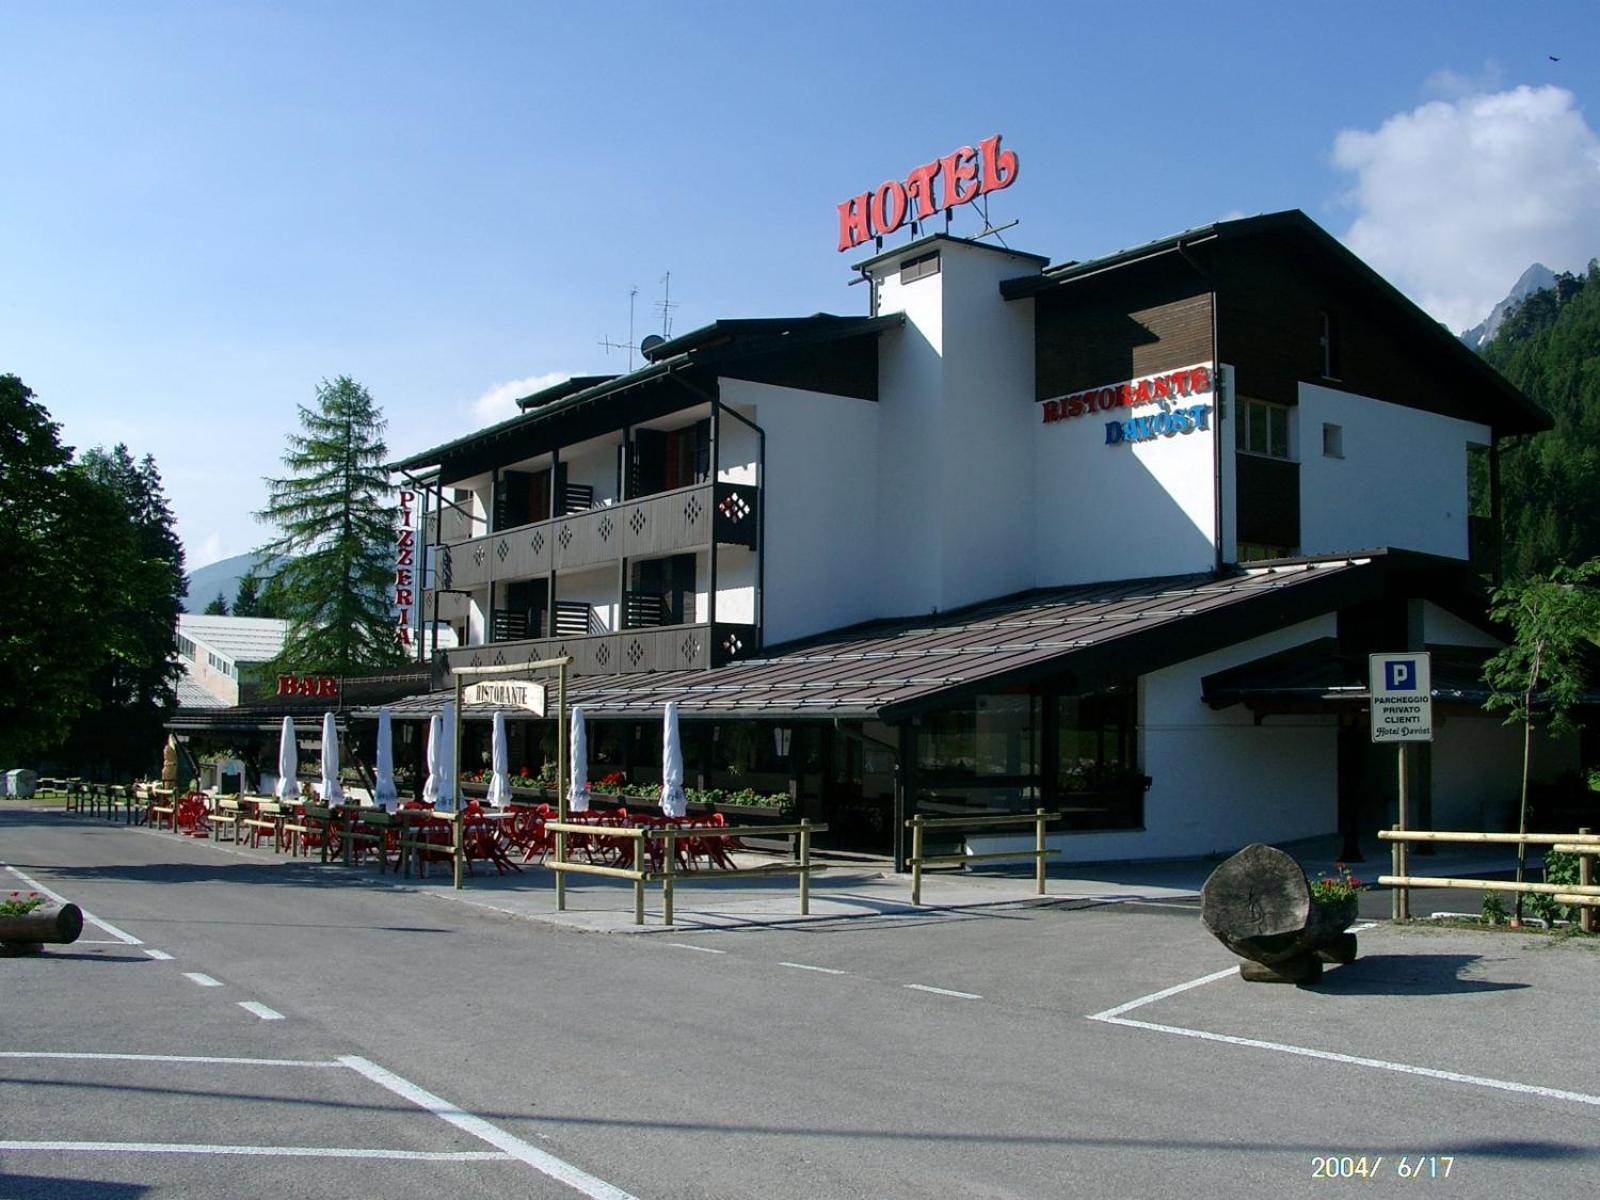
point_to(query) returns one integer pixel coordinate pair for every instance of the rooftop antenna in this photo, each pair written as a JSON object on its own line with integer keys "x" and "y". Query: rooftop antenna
{"x": 665, "y": 305}
{"x": 630, "y": 346}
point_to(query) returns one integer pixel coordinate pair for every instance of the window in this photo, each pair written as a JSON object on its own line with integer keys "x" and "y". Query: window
{"x": 1097, "y": 775}
{"x": 920, "y": 267}
{"x": 1262, "y": 428}
{"x": 1332, "y": 440}
{"x": 1328, "y": 339}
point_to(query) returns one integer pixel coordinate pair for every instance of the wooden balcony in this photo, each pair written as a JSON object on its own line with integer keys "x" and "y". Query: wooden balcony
{"x": 665, "y": 648}
{"x": 666, "y": 523}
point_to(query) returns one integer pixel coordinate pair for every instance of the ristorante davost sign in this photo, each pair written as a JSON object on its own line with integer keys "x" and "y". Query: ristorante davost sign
{"x": 957, "y": 178}
{"x": 1174, "y": 391}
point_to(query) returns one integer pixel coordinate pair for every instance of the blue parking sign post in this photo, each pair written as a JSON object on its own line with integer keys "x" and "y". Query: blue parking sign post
{"x": 1401, "y": 690}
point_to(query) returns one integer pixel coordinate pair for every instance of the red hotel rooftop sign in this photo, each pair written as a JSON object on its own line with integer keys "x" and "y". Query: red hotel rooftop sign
{"x": 958, "y": 178}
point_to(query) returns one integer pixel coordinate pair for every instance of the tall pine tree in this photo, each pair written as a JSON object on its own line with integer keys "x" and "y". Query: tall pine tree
{"x": 336, "y": 531}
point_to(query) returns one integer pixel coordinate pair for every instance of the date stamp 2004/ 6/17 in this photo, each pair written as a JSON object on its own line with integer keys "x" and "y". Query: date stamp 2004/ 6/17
{"x": 1374, "y": 1166}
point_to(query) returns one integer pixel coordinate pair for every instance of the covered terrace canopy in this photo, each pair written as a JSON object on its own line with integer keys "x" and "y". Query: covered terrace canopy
{"x": 1084, "y": 638}
{"x": 1319, "y": 677}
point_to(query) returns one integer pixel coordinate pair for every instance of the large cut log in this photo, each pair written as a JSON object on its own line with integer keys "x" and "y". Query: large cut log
{"x": 55, "y": 923}
{"x": 1258, "y": 904}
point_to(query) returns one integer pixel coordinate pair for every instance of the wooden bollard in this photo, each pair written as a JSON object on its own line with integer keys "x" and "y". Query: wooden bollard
{"x": 58, "y": 924}
{"x": 1258, "y": 904}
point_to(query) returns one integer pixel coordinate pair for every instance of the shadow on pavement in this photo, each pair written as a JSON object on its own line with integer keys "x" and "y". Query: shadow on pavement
{"x": 1408, "y": 975}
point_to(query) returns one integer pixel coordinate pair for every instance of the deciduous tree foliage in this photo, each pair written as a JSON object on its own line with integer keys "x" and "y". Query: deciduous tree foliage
{"x": 1549, "y": 347}
{"x": 133, "y": 687}
{"x": 1540, "y": 676}
{"x": 336, "y": 530}
{"x": 90, "y": 577}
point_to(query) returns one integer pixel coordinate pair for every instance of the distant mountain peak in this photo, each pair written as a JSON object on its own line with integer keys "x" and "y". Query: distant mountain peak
{"x": 1535, "y": 279}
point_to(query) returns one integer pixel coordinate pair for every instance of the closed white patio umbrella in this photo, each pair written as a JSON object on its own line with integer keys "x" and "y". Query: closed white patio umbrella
{"x": 442, "y": 760}
{"x": 578, "y": 792}
{"x": 430, "y": 786}
{"x": 332, "y": 793}
{"x": 384, "y": 792}
{"x": 288, "y": 763}
{"x": 500, "y": 770}
{"x": 673, "y": 802}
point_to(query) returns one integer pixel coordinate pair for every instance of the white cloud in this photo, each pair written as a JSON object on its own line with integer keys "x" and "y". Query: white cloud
{"x": 1454, "y": 85}
{"x": 500, "y": 401}
{"x": 1457, "y": 198}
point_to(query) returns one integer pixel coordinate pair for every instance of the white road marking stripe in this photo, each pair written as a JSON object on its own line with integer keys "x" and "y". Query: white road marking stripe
{"x": 808, "y": 967}
{"x": 127, "y": 939}
{"x": 701, "y": 949}
{"x": 922, "y": 987}
{"x": 174, "y": 1058}
{"x": 159, "y": 955}
{"x": 83, "y": 941}
{"x": 1162, "y": 995}
{"x": 261, "y": 1010}
{"x": 539, "y": 1160}
{"x": 262, "y": 1151}
{"x": 202, "y": 980}
{"x": 1503, "y": 1085}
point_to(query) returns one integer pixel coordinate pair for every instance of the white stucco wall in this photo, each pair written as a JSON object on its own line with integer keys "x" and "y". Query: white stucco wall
{"x": 821, "y": 506}
{"x": 596, "y": 588}
{"x": 1402, "y": 481}
{"x": 736, "y": 585}
{"x": 1126, "y": 510}
{"x": 1477, "y": 770}
{"x": 1442, "y": 628}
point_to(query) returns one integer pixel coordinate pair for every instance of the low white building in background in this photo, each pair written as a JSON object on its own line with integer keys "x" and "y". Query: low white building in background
{"x": 1113, "y": 538}
{"x": 219, "y": 653}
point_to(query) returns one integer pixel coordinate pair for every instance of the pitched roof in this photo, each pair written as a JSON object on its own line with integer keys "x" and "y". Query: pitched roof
{"x": 1094, "y": 633}
{"x": 710, "y": 346}
{"x": 242, "y": 639}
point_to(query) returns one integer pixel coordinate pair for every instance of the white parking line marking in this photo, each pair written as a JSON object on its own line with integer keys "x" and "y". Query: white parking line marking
{"x": 539, "y": 1160}
{"x": 202, "y": 980}
{"x": 159, "y": 955}
{"x": 922, "y": 987}
{"x": 1503, "y": 1085}
{"x": 83, "y": 941}
{"x": 808, "y": 967}
{"x": 701, "y": 949}
{"x": 261, "y": 1010}
{"x": 1162, "y": 995}
{"x": 262, "y": 1151}
{"x": 174, "y": 1058}
{"x": 127, "y": 939}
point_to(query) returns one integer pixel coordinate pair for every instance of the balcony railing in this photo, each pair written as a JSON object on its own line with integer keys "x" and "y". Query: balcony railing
{"x": 651, "y": 526}
{"x": 667, "y": 648}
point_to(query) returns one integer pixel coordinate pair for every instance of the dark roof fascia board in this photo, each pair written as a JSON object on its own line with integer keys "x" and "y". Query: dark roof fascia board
{"x": 933, "y": 240}
{"x": 559, "y": 391}
{"x": 1175, "y": 641}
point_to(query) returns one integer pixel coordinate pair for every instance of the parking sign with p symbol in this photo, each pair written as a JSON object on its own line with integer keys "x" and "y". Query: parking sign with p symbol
{"x": 1401, "y": 675}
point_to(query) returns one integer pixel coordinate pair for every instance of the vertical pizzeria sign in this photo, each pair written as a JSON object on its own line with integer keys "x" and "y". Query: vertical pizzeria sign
{"x": 405, "y": 566}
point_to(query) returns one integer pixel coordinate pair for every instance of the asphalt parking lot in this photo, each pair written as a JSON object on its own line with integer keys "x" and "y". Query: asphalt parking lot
{"x": 316, "y": 1033}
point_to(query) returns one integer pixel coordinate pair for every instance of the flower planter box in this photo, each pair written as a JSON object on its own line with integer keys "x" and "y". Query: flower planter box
{"x": 59, "y": 924}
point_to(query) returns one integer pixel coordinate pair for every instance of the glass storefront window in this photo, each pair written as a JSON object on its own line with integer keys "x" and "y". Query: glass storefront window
{"x": 993, "y": 735}
{"x": 1097, "y": 774}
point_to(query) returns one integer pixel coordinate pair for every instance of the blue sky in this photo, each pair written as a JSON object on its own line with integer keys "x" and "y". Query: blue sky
{"x": 207, "y": 208}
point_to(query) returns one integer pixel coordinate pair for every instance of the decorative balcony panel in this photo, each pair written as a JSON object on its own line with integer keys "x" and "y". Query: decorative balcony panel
{"x": 737, "y": 518}
{"x": 667, "y": 648}
{"x": 666, "y": 523}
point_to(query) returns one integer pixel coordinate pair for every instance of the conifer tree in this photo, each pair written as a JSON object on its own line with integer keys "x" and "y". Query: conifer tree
{"x": 336, "y": 535}
{"x": 218, "y": 606}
